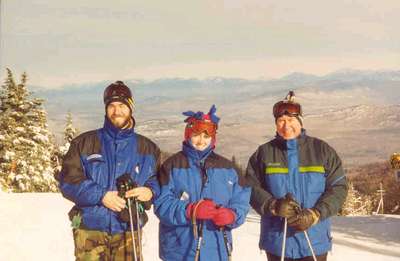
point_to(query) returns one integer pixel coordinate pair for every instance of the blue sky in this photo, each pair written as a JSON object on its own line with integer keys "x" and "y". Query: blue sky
{"x": 64, "y": 42}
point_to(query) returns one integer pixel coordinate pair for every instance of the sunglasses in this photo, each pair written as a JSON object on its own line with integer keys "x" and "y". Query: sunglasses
{"x": 199, "y": 126}
{"x": 286, "y": 108}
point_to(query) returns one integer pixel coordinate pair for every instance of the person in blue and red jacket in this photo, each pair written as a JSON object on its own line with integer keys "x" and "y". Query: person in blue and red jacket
{"x": 202, "y": 196}
{"x": 94, "y": 163}
{"x": 297, "y": 178}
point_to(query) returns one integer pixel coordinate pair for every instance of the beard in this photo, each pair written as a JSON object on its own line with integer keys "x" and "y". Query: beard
{"x": 119, "y": 121}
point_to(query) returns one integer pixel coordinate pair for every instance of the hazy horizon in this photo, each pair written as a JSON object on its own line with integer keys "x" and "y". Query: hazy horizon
{"x": 74, "y": 42}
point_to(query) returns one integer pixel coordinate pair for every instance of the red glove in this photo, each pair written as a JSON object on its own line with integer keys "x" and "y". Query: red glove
{"x": 223, "y": 217}
{"x": 203, "y": 209}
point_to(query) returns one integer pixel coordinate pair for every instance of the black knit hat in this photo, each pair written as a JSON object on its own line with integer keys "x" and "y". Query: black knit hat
{"x": 118, "y": 91}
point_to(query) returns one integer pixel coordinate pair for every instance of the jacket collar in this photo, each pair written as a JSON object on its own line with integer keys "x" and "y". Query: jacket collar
{"x": 197, "y": 156}
{"x": 117, "y": 133}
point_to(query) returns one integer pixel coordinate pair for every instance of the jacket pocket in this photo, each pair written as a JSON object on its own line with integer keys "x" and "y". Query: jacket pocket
{"x": 95, "y": 169}
{"x": 169, "y": 238}
{"x": 277, "y": 184}
{"x": 221, "y": 186}
{"x": 319, "y": 233}
{"x": 313, "y": 188}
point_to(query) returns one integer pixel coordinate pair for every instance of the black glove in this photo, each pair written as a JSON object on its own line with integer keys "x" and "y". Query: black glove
{"x": 304, "y": 219}
{"x": 284, "y": 207}
{"x": 125, "y": 183}
{"x": 124, "y": 214}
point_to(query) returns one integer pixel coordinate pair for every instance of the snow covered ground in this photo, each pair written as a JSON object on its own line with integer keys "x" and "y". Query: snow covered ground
{"x": 35, "y": 227}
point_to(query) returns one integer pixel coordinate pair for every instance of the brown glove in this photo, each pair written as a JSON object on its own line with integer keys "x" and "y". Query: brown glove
{"x": 304, "y": 219}
{"x": 284, "y": 207}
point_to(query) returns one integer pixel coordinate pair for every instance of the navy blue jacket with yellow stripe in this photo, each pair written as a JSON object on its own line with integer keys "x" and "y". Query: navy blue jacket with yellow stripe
{"x": 92, "y": 164}
{"x": 312, "y": 171}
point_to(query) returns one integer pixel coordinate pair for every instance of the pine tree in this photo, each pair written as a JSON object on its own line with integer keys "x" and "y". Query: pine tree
{"x": 26, "y": 144}
{"x": 356, "y": 204}
{"x": 69, "y": 133}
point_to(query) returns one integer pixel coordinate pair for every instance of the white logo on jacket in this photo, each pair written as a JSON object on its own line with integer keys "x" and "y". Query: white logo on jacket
{"x": 184, "y": 196}
{"x": 94, "y": 156}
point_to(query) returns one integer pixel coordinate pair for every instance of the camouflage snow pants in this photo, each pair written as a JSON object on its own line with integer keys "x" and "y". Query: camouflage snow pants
{"x": 93, "y": 245}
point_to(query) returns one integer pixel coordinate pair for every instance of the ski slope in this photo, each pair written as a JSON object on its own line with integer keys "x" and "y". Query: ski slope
{"x": 35, "y": 226}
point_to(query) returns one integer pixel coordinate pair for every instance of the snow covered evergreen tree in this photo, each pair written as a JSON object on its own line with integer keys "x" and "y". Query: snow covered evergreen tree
{"x": 26, "y": 144}
{"x": 356, "y": 204}
{"x": 69, "y": 133}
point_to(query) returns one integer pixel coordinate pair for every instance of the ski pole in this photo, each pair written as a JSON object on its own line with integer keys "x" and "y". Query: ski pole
{"x": 139, "y": 229}
{"x": 227, "y": 245}
{"x": 132, "y": 232}
{"x": 197, "y": 234}
{"x": 309, "y": 244}
{"x": 196, "y": 257}
{"x": 305, "y": 232}
{"x": 194, "y": 220}
{"x": 284, "y": 240}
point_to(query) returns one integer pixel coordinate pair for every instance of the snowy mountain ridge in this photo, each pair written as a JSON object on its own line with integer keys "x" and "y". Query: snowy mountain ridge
{"x": 377, "y": 116}
{"x": 357, "y": 104}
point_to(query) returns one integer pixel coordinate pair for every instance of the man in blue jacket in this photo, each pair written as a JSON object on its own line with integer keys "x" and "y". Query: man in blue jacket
{"x": 296, "y": 178}
{"x": 94, "y": 163}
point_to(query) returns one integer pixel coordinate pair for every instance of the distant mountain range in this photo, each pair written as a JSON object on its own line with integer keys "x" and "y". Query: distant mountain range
{"x": 356, "y": 111}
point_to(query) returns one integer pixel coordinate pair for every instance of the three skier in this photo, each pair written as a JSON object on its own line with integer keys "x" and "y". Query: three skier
{"x": 295, "y": 182}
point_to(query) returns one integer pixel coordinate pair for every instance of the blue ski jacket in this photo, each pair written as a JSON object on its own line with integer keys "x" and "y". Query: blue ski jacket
{"x": 183, "y": 181}
{"x": 309, "y": 169}
{"x": 92, "y": 164}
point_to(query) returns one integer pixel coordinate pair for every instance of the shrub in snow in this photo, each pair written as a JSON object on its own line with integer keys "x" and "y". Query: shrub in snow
{"x": 356, "y": 204}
